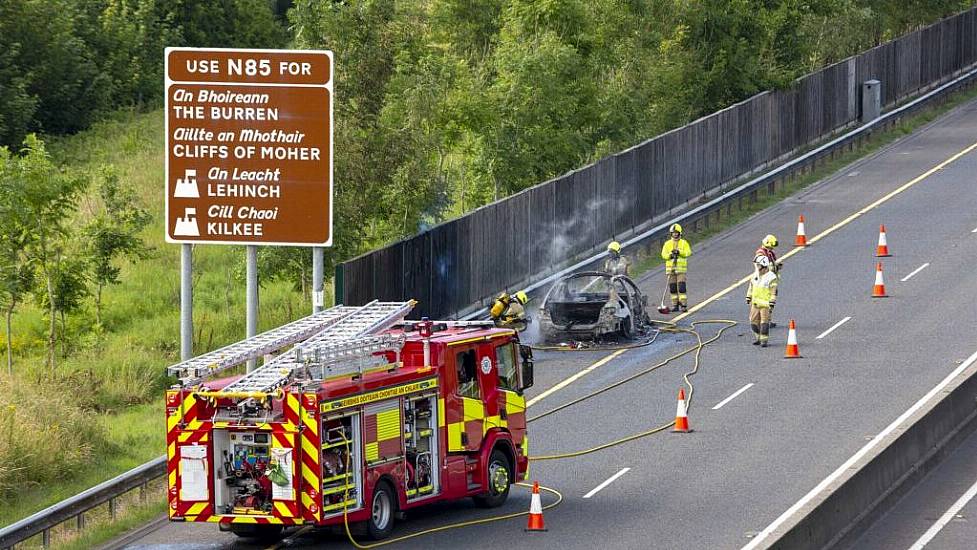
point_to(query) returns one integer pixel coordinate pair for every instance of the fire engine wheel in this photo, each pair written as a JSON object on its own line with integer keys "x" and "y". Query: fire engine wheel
{"x": 498, "y": 481}
{"x": 384, "y": 506}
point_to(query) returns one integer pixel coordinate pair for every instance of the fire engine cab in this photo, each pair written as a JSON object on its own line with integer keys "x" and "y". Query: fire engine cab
{"x": 365, "y": 415}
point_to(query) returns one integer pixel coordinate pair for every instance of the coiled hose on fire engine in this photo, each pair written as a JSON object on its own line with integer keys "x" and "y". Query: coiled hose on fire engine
{"x": 687, "y": 377}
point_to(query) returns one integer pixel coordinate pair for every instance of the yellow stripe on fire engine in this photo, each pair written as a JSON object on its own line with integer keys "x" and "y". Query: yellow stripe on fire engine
{"x": 388, "y": 424}
{"x": 282, "y": 510}
{"x": 372, "y": 451}
{"x": 292, "y": 402}
{"x": 514, "y": 403}
{"x": 378, "y": 395}
{"x": 172, "y": 421}
{"x": 311, "y": 478}
{"x": 440, "y": 413}
{"x": 307, "y": 503}
{"x": 454, "y": 436}
{"x": 493, "y": 422}
{"x": 309, "y": 449}
{"x": 184, "y": 436}
{"x": 473, "y": 409}
{"x": 197, "y": 509}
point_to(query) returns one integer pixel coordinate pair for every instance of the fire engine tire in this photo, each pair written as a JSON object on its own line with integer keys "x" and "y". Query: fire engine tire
{"x": 266, "y": 533}
{"x": 383, "y": 510}
{"x": 499, "y": 477}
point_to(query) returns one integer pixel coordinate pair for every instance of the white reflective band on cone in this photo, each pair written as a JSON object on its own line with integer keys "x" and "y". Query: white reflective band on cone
{"x": 878, "y": 277}
{"x": 791, "y": 337}
{"x": 535, "y": 507}
{"x": 680, "y": 409}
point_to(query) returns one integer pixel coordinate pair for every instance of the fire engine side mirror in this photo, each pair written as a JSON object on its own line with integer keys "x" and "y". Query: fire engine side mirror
{"x": 526, "y": 353}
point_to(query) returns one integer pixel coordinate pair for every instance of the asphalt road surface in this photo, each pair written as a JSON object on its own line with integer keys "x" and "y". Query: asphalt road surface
{"x": 766, "y": 430}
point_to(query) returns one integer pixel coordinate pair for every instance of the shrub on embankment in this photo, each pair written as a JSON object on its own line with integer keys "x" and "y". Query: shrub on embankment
{"x": 46, "y": 434}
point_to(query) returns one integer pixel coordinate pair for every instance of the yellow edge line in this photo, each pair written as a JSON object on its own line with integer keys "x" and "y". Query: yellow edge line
{"x": 744, "y": 280}
{"x": 574, "y": 378}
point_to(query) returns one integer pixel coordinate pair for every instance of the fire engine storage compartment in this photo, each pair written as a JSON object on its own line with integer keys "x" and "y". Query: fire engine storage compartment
{"x": 421, "y": 445}
{"x": 241, "y": 462}
{"x": 342, "y": 474}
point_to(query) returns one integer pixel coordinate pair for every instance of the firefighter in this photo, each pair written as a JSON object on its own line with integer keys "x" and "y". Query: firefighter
{"x": 766, "y": 249}
{"x": 675, "y": 252}
{"x": 616, "y": 263}
{"x": 509, "y": 311}
{"x": 761, "y": 296}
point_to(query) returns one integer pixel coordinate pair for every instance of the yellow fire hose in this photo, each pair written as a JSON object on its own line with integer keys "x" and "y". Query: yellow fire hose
{"x": 671, "y": 327}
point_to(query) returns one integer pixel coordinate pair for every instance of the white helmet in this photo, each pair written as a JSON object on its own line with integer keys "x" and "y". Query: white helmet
{"x": 762, "y": 261}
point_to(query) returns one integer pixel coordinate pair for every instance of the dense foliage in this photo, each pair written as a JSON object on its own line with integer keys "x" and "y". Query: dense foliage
{"x": 65, "y": 63}
{"x": 444, "y": 105}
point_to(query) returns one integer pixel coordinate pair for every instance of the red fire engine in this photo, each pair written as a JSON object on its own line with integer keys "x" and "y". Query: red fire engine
{"x": 367, "y": 415}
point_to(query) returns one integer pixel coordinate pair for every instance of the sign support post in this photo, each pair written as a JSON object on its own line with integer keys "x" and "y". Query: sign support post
{"x": 252, "y": 297}
{"x": 186, "y": 302}
{"x": 318, "y": 254}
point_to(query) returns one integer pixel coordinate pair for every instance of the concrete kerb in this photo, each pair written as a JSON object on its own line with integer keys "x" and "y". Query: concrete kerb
{"x": 836, "y": 516}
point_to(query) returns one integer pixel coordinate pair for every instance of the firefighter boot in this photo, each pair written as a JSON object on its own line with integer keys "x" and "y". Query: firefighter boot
{"x": 756, "y": 334}
{"x": 764, "y": 334}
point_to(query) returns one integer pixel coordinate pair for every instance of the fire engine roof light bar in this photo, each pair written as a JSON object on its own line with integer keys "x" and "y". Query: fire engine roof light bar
{"x": 219, "y": 360}
{"x": 369, "y": 319}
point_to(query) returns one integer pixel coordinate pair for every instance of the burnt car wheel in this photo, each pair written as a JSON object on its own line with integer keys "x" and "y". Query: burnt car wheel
{"x": 498, "y": 476}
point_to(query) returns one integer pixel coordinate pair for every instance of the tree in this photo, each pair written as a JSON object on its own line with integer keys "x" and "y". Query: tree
{"x": 286, "y": 263}
{"x": 113, "y": 234}
{"x": 16, "y": 272}
{"x": 48, "y": 198}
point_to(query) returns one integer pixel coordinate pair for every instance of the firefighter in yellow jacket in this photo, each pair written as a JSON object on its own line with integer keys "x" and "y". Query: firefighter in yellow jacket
{"x": 761, "y": 296}
{"x": 509, "y": 311}
{"x": 675, "y": 252}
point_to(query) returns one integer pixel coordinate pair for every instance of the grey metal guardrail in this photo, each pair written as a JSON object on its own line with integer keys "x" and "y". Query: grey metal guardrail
{"x": 76, "y": 506}
{"x": 803, "y": 161}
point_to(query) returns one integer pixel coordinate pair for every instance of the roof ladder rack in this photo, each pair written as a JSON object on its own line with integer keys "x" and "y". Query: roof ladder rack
{"x": 193, "y": 370}
{"x": 366, "y": 320}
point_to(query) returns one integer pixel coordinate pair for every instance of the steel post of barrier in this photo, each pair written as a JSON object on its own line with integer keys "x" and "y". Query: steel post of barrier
{"x": 252, "y": 298}
{"x": 186, "y": 301}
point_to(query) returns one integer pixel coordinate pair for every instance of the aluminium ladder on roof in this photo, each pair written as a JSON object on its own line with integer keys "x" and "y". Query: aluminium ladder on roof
{"x": 267, "y": 342}
{"x": 365, "y": 321}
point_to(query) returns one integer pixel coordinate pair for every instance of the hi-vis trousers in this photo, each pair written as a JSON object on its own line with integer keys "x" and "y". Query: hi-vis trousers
{"x": 676, "y": 285}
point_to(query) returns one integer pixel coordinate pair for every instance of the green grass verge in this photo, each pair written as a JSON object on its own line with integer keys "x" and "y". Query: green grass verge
{"x": 645, "y": 261}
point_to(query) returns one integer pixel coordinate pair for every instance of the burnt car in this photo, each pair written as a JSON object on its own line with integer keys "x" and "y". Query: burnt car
{"x": 593, "y": 304}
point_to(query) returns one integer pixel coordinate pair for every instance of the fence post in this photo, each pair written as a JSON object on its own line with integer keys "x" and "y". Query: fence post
{"x": 46, "y": 538}
{"x": 112, "y": 508}
{"x": 81, "y": 521}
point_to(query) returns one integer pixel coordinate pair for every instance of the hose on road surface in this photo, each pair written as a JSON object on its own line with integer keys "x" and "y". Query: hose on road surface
{"x": 697, "y": 349}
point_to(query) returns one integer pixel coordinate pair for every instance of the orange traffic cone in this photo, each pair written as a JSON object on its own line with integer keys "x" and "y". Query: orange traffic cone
{"x": 801, "y": 239}
{"x": 535, "y": 511}
{"x": 792, "y": 351}
{"x": 879, "y": 290}
{"x": 681, "y": 414}
{"x": 883, "y": 249}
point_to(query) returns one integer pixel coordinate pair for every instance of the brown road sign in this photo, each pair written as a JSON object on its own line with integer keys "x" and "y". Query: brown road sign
{"x": 249, "y": 146}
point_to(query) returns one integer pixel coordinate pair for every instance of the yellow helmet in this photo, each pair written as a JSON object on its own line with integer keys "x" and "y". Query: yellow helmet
{"x": 521, "y": 297}
{"x": 614, "y": 246}
{"x": 675, "y": 228}
{"x": 770, "y": 241}
{"x": 504, "y": 297}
